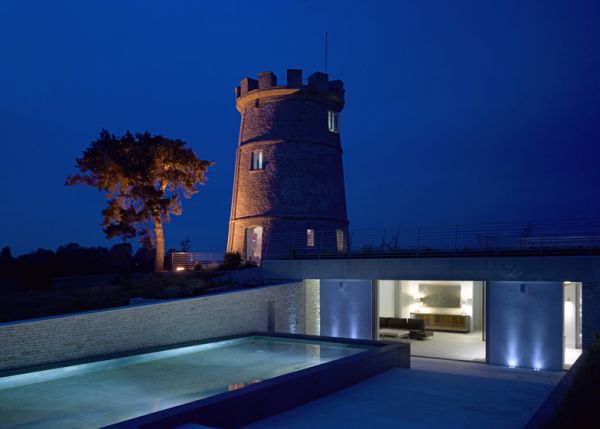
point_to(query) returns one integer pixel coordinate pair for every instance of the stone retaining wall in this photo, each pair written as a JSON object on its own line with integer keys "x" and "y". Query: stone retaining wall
{"x": 63, "y": 338}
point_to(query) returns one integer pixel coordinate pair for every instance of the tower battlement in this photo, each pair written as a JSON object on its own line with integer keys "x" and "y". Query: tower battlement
{"x": 266, "y": 85}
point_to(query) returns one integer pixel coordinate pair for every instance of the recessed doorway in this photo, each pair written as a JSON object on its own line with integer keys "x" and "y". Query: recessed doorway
{"x": 254, "y": 244}
{"x": 572, "y": 302}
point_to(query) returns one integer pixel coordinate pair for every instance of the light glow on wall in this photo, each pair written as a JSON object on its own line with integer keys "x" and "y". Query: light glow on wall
{"x": 292, "y": 317}
{"x": 353, "y": 328}
{"x": 525, "y": 329}
{"x": 313, "y": 306}
{"x": 512, "y": 360}
{"x": 346, "y": 308}
{"x": 537, "y": 358}
{"x": 411, "y": 288}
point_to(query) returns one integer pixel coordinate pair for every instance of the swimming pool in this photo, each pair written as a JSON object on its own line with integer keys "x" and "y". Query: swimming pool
{"x": 91, "y": 395}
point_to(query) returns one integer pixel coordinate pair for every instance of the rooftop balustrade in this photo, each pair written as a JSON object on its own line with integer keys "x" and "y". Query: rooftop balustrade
{"x": 540, "y": 238}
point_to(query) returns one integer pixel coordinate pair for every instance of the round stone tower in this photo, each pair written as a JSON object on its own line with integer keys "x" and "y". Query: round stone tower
{"x": 288, "y": 191}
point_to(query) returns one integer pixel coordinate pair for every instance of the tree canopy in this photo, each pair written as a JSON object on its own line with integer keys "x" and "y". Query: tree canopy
{"x": 144, "y": 177}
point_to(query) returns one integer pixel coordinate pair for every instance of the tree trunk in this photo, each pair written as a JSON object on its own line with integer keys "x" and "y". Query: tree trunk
{"x": 159, "y": 261}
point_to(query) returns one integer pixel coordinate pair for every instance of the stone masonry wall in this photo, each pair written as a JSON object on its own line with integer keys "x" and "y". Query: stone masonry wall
{"x": 301, "y": 184}
{"x": 289, "y": 235}
{"x": 298, "y": 179}
{"x": 289, "y": 119}
{"x": 125, "y": 329}
{"x": 313, "y": 306}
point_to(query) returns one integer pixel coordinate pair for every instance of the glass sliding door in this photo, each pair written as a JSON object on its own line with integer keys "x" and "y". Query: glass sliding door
{"x": 442, "y": 319}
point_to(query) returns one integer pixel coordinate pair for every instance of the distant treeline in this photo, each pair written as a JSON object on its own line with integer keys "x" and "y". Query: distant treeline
{"x": 74, "y": 260}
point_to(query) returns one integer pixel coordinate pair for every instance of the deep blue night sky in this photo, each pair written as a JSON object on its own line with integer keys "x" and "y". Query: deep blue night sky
{"x": 456, "y": 111}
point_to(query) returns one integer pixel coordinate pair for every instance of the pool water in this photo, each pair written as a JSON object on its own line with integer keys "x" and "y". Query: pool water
{"x": 106, "y": 392}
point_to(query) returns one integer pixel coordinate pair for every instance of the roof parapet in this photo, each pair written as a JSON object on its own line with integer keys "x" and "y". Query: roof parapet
{"x": 247, "y": 85}
{"x": 266, "y": 80}
{"x": 294, "y": 78}
{"x": 319, "y": 81}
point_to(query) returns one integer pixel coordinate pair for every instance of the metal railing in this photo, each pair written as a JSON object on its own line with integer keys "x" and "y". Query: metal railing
{"x": 183, "y": 261}
{"x": 541, "y": 238}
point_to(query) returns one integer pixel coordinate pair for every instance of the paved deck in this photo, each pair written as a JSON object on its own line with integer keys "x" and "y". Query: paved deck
{"x": 433, "y": 393}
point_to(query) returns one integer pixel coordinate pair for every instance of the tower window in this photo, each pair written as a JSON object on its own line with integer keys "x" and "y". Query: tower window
{"x": 310, "y": 238}
{"x": 256, "y": 162}
{"x": 333, "y": 120}
{"x": 339, "y": 239}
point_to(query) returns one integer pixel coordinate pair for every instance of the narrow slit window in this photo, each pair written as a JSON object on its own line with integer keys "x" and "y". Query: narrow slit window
{"x": 333, "y": 119}
{"x": 310, "y": 238}
{"x": 256, "y": 162}
{"x": 339, "y": 239}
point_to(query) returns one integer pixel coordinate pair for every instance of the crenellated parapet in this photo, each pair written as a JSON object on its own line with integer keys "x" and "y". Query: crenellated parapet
{"x": 266, "y": 85}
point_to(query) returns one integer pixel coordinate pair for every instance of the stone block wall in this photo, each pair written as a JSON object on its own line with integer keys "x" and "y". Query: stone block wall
{"x": 287, "y": 119}
{"x": 298, "y": 179}
{"x": 289, "y": 235}
{"x": 313, "y": 306}
{"x": 124, "y": 329}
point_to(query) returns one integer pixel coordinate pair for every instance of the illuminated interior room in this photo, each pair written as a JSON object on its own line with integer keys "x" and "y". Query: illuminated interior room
{"x": 450, "y": 312}
{"x": 572, "y": 301}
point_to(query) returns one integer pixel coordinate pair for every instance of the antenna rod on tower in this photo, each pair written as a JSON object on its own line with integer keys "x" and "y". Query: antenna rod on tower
{"x": 326, "y": 52}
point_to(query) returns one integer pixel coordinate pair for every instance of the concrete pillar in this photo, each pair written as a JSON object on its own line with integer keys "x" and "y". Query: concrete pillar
{"x": 347, "y": 308}
{"x": 525, "y": 324}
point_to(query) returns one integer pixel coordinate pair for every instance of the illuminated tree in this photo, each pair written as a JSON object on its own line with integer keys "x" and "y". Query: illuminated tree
{"x": 143, "y": 178}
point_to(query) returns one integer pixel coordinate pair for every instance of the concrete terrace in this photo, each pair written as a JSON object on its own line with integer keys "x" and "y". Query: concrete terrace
{"x": 433, "y": 393}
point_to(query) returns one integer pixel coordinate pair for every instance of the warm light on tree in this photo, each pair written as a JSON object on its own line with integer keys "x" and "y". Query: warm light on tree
{"x": 143, "y": 178}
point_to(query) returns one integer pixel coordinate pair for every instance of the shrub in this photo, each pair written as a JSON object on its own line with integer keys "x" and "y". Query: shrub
{"x": 39, "y": 279}
{"x": 231, "y": 261}
{"x": 250, "y": 264}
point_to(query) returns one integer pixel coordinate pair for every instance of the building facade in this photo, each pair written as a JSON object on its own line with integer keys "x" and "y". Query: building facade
{"x": 288, "y": 180}
{"x": 537, "y": 312}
